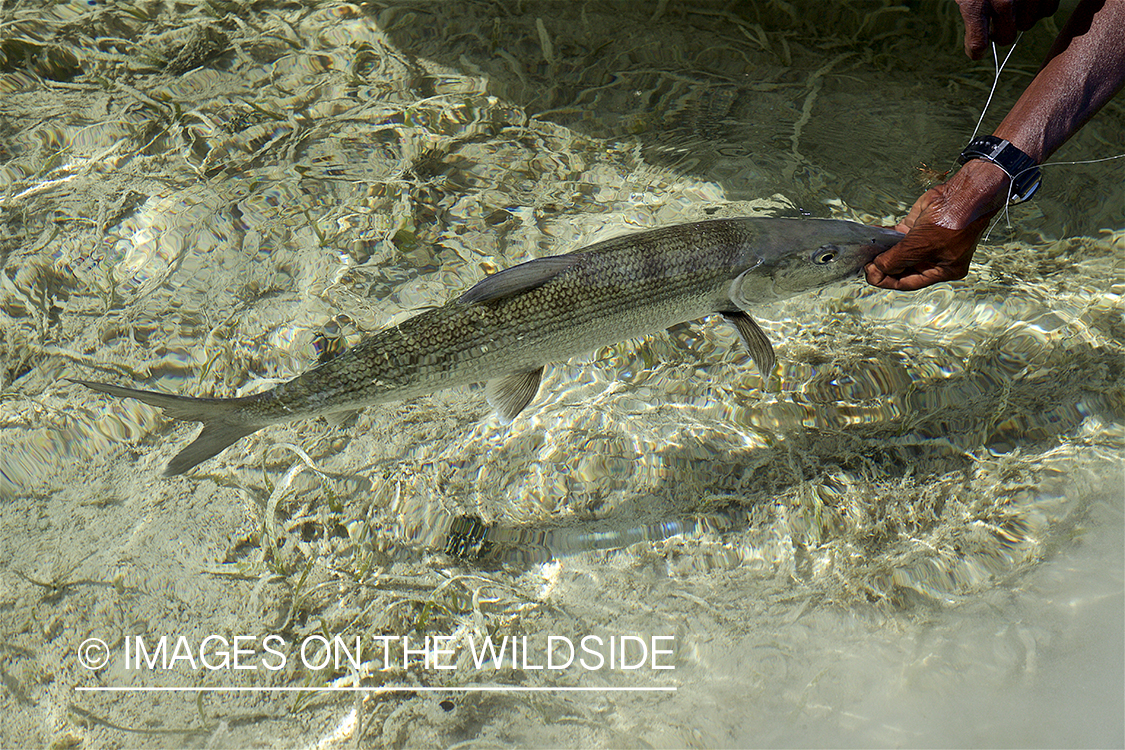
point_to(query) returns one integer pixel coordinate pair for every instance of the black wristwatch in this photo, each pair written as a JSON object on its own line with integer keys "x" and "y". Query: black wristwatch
{"x": 1021, "y": 168}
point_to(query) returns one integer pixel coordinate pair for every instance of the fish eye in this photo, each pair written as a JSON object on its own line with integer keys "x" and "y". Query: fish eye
{"x": 826, "y": 254}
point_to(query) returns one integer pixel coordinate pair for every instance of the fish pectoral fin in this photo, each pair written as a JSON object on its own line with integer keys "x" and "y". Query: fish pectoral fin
{"x": 755, "y": 340}
{"x": 510, "y": 394}
{"x": 521, "y": 278}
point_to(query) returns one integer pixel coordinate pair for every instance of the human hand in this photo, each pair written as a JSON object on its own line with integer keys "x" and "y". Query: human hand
{"x": 1006, "y": 17}
{"x": 938, "y": 245}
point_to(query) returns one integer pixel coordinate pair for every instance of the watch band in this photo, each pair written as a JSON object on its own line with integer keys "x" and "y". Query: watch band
{"x": 1020, "y": 168}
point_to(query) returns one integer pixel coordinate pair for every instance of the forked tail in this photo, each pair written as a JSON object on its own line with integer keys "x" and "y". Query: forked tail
{"x": 220, "y": 427}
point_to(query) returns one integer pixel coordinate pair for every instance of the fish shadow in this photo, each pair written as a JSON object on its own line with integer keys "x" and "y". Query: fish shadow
{"x": 919, "y": 433}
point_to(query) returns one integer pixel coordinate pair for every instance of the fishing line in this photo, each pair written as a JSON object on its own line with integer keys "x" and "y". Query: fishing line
{"x": 1007, "y": 205}
{"x": 998, "y": 67}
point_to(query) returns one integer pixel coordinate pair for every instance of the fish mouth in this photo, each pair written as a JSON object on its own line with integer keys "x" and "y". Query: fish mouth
{"x": 882, "y": 239}
{"x": 886, "y": 237}
{"x": 877, "y": 240}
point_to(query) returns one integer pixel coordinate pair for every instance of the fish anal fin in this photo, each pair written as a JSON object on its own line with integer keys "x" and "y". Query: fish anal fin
{"x": 510, "y": 394}
{"x": 521, "y": 278}
{"x": 755, "y": 341}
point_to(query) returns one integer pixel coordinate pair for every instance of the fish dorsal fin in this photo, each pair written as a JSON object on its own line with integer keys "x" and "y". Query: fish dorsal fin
{"x": 510, "y": 394}
{"x": 521, "y": 278}
{"x": 755, "y": 340}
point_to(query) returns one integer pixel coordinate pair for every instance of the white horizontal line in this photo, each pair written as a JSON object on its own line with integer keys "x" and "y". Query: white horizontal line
{"x": 380, "y": 689}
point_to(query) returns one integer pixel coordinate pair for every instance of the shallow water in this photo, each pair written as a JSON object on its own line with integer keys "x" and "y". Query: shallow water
{"x": 910, "y": 536}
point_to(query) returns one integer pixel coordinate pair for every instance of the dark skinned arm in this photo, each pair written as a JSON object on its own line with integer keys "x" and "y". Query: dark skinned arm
{"x": 1084, "y": 69}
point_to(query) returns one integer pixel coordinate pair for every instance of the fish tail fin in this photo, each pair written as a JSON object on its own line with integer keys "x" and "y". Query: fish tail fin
{"x": 215, "y": 437}
{"x": 219, "y": 428}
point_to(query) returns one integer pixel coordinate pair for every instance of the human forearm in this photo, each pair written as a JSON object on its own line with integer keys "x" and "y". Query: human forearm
{"x": 1084, "y": 69}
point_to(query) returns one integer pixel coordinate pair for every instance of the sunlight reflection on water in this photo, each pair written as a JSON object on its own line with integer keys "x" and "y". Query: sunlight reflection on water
{"x": 909, "y": 452}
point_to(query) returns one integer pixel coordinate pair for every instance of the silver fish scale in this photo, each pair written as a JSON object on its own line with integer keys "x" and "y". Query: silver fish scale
{"x": 618, "y": 289}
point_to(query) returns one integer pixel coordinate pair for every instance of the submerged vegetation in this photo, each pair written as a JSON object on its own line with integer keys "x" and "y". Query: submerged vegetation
{"x": 194, "y": 197}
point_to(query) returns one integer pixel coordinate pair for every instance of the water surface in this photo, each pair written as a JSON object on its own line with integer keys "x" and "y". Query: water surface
{"x": 911, "y": 536}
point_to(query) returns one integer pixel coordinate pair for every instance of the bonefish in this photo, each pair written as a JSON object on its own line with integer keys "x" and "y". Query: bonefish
{"x": 503, "y": 330}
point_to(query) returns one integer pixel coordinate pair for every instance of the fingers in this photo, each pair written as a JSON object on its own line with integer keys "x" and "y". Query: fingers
{"x": 1003, "y": 21}
{"x": 913, "y": 281}
{"x": 975, "y": 15}
{"x": 929, "y": 254}
{"x": 999, "y": 20}
{"x": 915, "y": 269}
{"x": 907, "y": 257}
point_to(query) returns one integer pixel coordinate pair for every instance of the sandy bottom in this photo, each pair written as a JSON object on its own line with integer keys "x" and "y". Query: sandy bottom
{"x": 911, "y": 534}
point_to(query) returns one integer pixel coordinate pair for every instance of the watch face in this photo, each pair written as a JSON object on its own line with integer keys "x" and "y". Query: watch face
{"x": 1024, "y": 186}
{"x": 1021, "y": 168}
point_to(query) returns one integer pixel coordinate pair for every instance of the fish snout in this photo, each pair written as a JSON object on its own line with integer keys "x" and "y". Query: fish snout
{"x": 884, "y": 238}
{"x": 865, "y": 243}
{"x": 873, "y": 241}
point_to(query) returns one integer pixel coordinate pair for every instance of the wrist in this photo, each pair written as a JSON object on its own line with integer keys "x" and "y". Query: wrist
{"x": 1026, "y": 140}
{"x": 1022, "y": 170}
{"x": 978, "y": 188}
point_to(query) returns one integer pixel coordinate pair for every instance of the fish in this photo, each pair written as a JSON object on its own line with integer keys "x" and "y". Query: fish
{"x": 507, "y": 327}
